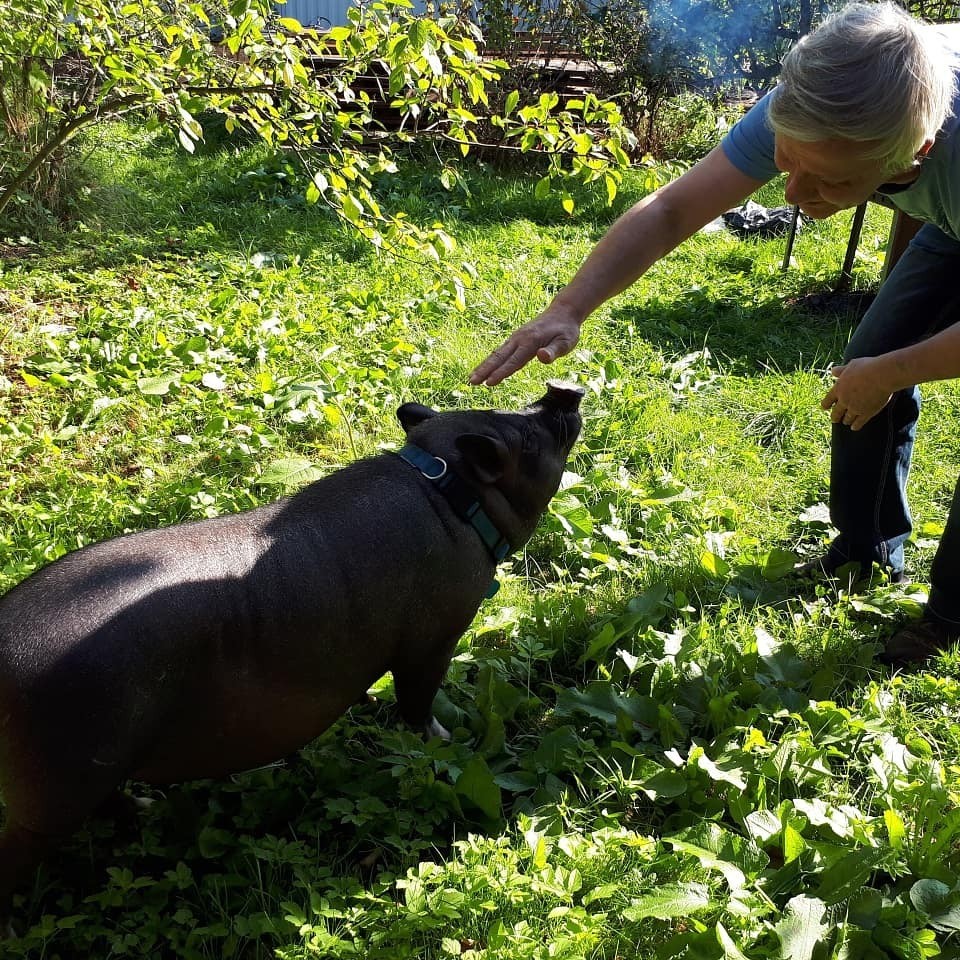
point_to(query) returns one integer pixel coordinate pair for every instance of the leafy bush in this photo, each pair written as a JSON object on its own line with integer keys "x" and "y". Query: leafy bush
{"x": 644, "y": 54}
{"x": 32, "y": 74}
{"x": 690, "y": 126}
{"x": 298, "y": 90}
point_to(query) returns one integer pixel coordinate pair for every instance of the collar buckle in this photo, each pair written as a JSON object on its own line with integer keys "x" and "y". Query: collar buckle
{"x": 460, "y": 497}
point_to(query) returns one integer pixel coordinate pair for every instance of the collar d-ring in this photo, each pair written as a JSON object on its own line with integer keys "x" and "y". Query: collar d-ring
{"x": 436, "y": 476}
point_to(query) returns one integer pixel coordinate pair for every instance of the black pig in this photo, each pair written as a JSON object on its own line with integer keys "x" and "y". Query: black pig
{"x": 206, "y": 648}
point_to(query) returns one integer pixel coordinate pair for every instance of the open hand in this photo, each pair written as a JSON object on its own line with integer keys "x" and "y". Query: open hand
{"x": 859, "y": 392}
{"x": 553, "y": 334}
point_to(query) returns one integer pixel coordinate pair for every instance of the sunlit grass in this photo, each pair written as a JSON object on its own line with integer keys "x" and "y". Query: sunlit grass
{"x": 201, "y": 323}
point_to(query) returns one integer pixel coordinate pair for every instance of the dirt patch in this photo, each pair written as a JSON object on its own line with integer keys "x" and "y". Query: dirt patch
{"x": 17, "y": 251}
{"x": 853, "y": 305}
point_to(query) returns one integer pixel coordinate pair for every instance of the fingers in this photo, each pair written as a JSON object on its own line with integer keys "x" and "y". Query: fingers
{"x": 503, "y": 362}
{"x": 847, "y": 417}
{"x": 517, "y": 351}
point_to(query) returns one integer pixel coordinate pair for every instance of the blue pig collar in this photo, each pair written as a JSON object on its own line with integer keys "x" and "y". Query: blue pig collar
{"x": 462, "y": 500}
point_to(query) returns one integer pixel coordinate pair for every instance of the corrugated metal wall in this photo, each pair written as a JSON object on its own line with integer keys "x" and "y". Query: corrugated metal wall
{"x": 319, "y": 13}
{"x": 324, "y": 13}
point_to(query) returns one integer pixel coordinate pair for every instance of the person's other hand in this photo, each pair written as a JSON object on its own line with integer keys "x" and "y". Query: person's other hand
{"x": 553, "y": 334}
{"x": 859, "y": 392}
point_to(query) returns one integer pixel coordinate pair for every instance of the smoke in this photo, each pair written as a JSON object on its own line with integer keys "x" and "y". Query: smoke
{"x": 732, "y": 39}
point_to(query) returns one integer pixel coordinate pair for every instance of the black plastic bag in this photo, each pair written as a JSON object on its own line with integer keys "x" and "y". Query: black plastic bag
{"x": 752, "y": 220}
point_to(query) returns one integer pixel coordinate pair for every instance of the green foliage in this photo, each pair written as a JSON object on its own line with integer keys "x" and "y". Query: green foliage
{"x": 644, "y": 54}
{"x": 661, "y": 746}
{"x": 69, "y": 66}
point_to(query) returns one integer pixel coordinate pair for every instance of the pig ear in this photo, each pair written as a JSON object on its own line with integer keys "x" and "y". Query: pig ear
{"x": 410, "y": 414}
{"x": 484, "y": 456}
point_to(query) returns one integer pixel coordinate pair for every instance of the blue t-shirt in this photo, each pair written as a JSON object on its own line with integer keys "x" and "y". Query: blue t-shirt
{"x": 934, "y": 197}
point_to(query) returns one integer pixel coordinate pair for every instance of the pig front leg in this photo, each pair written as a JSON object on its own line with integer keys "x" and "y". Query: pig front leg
{"x": 435, "y": 728}
{"x": 21, "y": 851}
{"x": 416, "y": 686}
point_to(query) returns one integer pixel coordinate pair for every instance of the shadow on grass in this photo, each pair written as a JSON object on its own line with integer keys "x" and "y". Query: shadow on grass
{"x": 785, "y": 333}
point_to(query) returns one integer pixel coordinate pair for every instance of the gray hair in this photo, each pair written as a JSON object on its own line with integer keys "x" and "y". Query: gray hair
{"x": 869, "y": 72}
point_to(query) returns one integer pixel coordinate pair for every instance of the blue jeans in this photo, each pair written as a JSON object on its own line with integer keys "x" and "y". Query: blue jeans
{"x": 869, "y": 467}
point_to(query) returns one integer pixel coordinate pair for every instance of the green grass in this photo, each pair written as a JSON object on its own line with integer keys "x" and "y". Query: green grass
{"x": 660, "y": 749}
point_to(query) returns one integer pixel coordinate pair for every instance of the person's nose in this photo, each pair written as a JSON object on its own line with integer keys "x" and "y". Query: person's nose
{"x": 800, "y": 188}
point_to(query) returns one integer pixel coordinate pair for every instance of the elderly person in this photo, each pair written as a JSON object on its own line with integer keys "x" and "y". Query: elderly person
{"x": 866, "y": 103}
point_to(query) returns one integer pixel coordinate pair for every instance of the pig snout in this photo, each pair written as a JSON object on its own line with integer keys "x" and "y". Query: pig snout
{"x": 558, "y": 411}
{"x": 562, "y": 396}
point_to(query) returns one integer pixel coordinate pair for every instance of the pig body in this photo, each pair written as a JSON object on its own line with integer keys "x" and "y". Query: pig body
{"x": 204, "y": 648}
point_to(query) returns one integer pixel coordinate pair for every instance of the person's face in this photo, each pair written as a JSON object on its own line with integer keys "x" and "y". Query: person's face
{"x": 825, "y": 176}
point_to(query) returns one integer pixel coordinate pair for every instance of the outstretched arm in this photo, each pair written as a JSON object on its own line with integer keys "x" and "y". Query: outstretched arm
{"x": 646, "y": 232}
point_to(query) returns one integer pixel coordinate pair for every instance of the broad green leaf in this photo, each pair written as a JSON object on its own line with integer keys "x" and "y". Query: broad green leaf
{"x": 730, "y": 949}
{"x": 612, "y": 187}
{"x": 600, "y": 699}
{"x": 669, "y": 901}
{"x": 664, "y": 785}
{"x": 352, "y": 208}
{"x": 910, "y": 947}
{"x": 573, "y": 515}
{"x": 602, "y": 892}
{"x": 518, "y": 782}
{"x": 939, "y": 902}
{"x": 793, "y": 843}
{"x": 762, "y": 825}
{"x": 213, "y": 381}
{"x": 496, "y": 935}
{"x": 722, "y": 774}
{"x": 896, "y": 830}
{"x": 157, "y": 386}
{"x": 723, "y": 850}
{"x": 537, "y": 844}
{"x": 846, "y": 876}
{"x": 778, "y": 563}
{"x": 289, "y": 472}
{"x": 865, "y": 908}
{"x": 213, "y": 843}
{"x": 599, "y": 644}
{"x": 822, "y": 814}
{"x": 648, "y": 607}
{"x": 801, "y": 928}
{"x": 641, "y": 611}
{"x": 477, "y": 785}
{"x": 555, "y": 749}
{"x": 784, "y": 666}
{"x": 714, "y": 565}
{"x": 818, "y": 513}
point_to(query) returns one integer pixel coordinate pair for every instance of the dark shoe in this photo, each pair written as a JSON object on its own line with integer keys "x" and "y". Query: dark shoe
{"x": 851, "y": 573}
{"x": 918, "y": 641}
